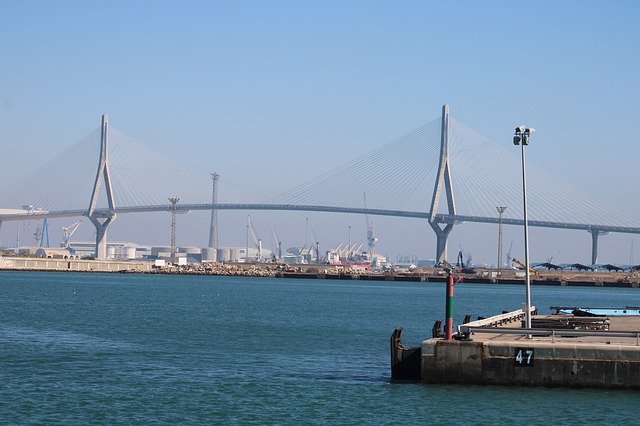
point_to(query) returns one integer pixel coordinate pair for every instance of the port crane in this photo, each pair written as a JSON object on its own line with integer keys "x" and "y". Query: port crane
{"x": 42, "y": 233}
{"x": 509, "y": 254}
{"x": 68, "y": 231}
{"x": 531, "y": 270}
{"x": 277, "y": 243}
{"x": 42, "y": 227}
{"x": 371, "y": 233}
{"x": 256, "y": 241}
{"x": 316, "y": 242}
{"x": 463, "y": 263}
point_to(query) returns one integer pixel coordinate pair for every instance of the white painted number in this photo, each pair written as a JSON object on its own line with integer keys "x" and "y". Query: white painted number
{"x": 524, "y": 356}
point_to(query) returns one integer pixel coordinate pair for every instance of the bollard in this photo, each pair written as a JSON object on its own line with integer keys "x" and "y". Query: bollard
{"x": 448, "y": 327}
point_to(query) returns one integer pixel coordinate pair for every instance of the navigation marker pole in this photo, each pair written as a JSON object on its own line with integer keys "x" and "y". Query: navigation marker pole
{"x": 448, "y": 325}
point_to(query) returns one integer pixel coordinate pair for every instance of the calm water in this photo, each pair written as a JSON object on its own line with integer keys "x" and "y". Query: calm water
{"x": 94, "y": 348}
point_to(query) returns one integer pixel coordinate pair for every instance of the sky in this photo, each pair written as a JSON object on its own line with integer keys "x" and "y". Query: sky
{"x": 270, "y": 93}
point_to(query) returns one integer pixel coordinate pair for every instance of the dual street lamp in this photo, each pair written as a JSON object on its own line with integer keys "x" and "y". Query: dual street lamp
{"x": 522, "y": 138}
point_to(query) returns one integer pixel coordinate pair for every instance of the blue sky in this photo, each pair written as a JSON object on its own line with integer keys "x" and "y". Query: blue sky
{"x": 266, "y": 91}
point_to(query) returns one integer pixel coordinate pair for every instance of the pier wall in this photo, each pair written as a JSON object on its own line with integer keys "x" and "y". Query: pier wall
{"x": 47, "y": 264}
{"x": 552, "y": 364}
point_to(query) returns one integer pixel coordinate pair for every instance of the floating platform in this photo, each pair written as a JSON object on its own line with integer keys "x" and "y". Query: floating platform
{"x": 559, "y": 350}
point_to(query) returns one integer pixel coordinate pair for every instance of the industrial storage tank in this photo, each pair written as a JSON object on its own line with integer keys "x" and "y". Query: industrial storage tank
{"x": 208, "y": 254}
{"x": 129, "y": 252}
{"x": 233, "y": 254}
{"x": 224, "y": 255}
{"x": 189, "y": 250}
{"x": 156, "y": 250}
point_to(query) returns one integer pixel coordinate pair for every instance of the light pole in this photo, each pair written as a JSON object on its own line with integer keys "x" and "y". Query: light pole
{"x": 522, "y": 138}
{"x": 349, "y": 227}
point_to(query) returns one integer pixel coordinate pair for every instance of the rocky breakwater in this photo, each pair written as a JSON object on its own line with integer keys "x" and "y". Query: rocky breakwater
{"x": 227, "y": 269}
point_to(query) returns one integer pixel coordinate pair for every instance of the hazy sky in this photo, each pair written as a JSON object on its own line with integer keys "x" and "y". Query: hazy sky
{"x": 269, "y": 93}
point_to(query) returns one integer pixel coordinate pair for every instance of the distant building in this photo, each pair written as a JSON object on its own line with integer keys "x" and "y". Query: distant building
{"x": 239, "y": 254}
{"x": 56, "y": 253}
{"x": 115, "y": 250}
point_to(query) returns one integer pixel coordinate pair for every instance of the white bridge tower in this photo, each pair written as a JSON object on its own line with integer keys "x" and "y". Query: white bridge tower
{"x": 442, "y": 179}
{"x": 102, "y": 220}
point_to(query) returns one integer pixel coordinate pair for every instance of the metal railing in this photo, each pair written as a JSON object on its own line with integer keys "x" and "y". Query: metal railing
{"x": 543, "y": 332}
{"x": 495, "y": 320}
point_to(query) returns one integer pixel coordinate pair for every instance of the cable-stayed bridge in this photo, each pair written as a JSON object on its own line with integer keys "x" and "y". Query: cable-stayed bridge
{"x": 443, "y": 172}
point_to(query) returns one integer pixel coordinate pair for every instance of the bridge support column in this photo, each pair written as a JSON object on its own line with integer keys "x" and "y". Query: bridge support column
{"x": 594, "y": 244}
{"x": 594, "y": 247}
{"x": 101, "y": 235}
{"x": 442, "y": 234}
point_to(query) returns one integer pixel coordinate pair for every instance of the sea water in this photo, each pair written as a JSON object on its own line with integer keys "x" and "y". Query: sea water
{"x": 81, "y": 348}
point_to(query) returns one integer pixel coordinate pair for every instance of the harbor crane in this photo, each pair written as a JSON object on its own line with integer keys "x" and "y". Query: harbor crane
{"x": 256, "y": 241}
{"x": 509, "y": 254}
{"x": 463, "y": 263}
{"x": 531, "y": 270}
{"x": 316, "y": 242}
{"x": 68, "y": 231}
{"x": 277, "y": 243}
{"x": 42, "y": 227}
{"x": 371, "y": 233}
{"x": 42, "y": 233}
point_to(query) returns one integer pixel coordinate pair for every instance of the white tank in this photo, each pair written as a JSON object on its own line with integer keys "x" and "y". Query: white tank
{"x": 224, "y": 255}
{"x": 208, "y": 254}
{"x": 130, "y": 252}
{"x": 189, "y": 250}
{"x": 111, "y": 252}
{"x": 233, "y": 255}
{"x": 159, "y": 249}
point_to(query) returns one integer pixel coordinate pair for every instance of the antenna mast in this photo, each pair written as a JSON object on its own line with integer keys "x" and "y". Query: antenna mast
{"x": 173, "y": 201}
{"x": 213, "y": 229}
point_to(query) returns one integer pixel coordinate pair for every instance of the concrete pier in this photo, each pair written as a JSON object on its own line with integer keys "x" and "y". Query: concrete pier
{"x": 551, "y": 357}
{"x": 47, "y": 264}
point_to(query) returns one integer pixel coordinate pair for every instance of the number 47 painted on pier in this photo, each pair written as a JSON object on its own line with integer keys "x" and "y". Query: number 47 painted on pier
{"x": 524, "y": 357}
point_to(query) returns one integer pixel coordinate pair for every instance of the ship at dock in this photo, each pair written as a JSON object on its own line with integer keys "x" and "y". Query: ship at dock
{"x": 351, "y": 256}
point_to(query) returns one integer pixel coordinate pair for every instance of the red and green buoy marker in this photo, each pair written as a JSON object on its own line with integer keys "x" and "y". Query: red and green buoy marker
{"x": 448, "y": 326}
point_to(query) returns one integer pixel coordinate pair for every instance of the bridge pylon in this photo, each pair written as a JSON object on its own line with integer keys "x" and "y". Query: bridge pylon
{"x": 442, "y": 179}
{"x": 102, "y": 221}
{"x": 595, "y": 233}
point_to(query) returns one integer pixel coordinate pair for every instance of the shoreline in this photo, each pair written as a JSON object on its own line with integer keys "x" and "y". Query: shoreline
{"x": 330, "y": 272}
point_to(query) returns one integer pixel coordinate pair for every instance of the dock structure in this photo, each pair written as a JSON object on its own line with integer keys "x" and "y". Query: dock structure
{"x": 75, "y": 265}
{"x": 559, "y": 350}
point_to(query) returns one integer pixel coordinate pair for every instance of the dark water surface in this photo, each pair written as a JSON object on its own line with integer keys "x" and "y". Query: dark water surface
{"x": 115, "y": 348}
